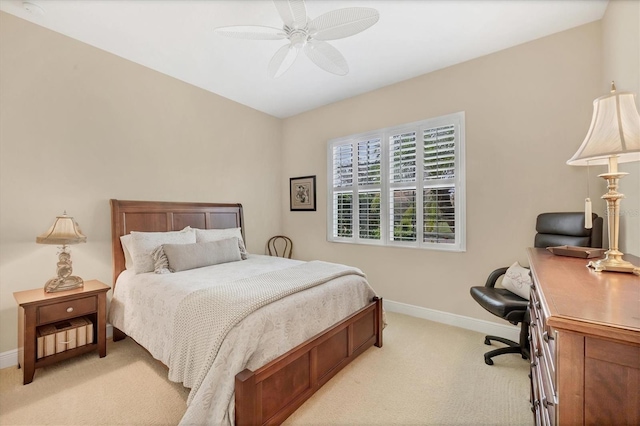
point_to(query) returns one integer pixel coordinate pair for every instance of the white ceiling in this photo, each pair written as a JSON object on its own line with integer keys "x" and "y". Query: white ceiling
{"x": 176, "y": 37}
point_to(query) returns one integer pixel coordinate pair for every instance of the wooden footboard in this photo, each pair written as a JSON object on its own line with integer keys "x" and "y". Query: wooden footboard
{"x": 272, "y": 393}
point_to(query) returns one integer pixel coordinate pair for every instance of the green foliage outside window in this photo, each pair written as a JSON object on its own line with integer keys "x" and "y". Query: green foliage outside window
{"x": 369, "y": 217}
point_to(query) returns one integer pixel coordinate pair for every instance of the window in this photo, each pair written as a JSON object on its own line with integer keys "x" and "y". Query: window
{"x": 400, "y": 186}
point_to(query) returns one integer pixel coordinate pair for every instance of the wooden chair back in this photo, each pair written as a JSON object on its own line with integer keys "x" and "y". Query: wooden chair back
{"x": 280, "y": 246}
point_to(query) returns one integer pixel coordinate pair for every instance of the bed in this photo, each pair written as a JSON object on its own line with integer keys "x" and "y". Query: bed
{"x": 261, "y": 394}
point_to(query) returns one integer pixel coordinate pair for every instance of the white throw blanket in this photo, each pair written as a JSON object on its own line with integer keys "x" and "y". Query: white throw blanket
{"x": 204, "y": 317}
{"x": 145, "y": 306}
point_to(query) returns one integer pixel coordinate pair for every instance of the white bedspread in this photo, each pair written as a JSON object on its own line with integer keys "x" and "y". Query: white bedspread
{"x": 144, "y": 307}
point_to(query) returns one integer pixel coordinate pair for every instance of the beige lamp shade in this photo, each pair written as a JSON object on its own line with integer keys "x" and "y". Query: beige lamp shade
{"x": 614, "y": 131}
{"x": 63, "y": 231}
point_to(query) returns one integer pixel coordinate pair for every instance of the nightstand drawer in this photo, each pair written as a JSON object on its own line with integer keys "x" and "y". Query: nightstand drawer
{"x": 63, "y": 310}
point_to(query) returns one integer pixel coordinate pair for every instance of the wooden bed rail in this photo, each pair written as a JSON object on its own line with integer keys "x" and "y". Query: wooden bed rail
{"x": 272, "y": 393}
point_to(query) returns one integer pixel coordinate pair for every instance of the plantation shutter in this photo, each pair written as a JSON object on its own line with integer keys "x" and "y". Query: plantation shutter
{"x": 342, "y": 166}
{"x": 402, "y": 200}
{"x": 342, "y": 194}
{"x": 439, "y": 168}
{"x": 369, "y": 180}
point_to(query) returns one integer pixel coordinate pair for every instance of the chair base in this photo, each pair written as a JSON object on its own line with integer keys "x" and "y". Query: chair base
{"x": 512, "y": 348}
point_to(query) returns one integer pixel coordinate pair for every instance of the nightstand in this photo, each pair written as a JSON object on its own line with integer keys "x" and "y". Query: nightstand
{"x": 38, "y": 309}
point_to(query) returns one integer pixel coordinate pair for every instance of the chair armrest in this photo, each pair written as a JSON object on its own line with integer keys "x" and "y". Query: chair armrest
{"x": 493, "y": 277}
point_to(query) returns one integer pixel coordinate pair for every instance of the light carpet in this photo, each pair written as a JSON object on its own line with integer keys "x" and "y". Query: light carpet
{"x": 426, "y": 374}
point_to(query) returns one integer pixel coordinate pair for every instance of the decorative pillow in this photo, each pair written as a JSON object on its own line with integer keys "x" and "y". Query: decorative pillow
{"x": 126, "y": 244}
{"x": 517, "y": 280}
{"x": 190, "y": 256}
{"x": 208, "y": 235}
{"x": 143, "y": 244}
{"x": 160, "y": 261}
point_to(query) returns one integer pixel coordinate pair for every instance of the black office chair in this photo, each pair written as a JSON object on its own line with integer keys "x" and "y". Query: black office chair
{"x": 553, "y": 229}
{"x": 280, "y": 246}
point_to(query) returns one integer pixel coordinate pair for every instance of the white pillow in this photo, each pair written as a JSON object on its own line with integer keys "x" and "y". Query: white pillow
{"x": 517, "y": 280}
{"x": 209, "y": 235}
{"x": 126, "y": 248}
{"x": 143, "y": 244}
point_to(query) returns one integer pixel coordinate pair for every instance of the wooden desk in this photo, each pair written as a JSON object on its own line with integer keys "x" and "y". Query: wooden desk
{"x": 585, "y": 342}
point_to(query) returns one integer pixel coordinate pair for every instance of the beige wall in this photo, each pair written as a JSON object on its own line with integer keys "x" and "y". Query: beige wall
{"x": 527, "y": 111}
{"x": 79, "y": 126}
{"x": 621, "y": 63}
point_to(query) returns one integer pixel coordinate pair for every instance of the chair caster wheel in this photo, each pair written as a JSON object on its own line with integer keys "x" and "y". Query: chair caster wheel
{"x": 487, "y": 341}
{"x": 488, "y": 361}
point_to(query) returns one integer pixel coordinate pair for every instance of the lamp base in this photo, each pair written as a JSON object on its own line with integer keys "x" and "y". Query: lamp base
{"x": 63, "y": 284}
{"x": 614, "y": 264}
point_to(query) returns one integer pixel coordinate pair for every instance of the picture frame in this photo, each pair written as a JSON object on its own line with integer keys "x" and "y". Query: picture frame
{"x": 302, "y": 193}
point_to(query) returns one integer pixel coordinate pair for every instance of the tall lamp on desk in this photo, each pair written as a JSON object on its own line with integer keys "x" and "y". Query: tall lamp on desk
{"x": 614, "y": 137}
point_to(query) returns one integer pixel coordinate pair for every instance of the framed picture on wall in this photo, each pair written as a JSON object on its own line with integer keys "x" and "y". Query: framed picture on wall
{"x": 302, "y": 193}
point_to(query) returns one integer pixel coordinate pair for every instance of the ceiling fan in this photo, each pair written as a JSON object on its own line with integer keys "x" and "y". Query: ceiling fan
{"x": 307, "y": 34}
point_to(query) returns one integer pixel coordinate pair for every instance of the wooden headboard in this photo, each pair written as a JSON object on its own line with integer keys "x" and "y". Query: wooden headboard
{"x": 161, "y": 216}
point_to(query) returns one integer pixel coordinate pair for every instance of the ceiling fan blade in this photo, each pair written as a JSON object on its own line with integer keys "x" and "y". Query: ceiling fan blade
{"x": 282, "y": 60}
{"x": 326, "y": 57}
{"x": 292, "y": 12}
{"x": 252, "y": 32}
{"x": 342, "y": 23}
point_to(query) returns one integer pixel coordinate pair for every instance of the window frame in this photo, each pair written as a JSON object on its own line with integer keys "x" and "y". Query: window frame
{"x": 386, "y": 186}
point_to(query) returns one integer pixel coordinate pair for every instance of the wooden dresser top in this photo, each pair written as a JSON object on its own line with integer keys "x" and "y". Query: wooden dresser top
{"x": 605, "y": 304}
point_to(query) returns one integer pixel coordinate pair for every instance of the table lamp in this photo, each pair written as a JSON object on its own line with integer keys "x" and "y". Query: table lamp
{"x": 614, "y": 137}
{"x": 64, "y": 231}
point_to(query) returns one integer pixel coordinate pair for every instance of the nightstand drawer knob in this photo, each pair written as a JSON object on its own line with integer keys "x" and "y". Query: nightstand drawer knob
{"x": 70, "y": 309}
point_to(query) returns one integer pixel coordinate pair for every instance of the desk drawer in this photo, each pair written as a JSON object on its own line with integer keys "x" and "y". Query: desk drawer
{"x": 548, "y": 400}
{"x": 546, "y": 344}
{"x": 69, "y": 309}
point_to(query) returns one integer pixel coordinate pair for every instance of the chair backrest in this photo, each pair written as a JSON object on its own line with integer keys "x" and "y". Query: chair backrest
{"x": 559, "y": 229}
{"x": 280, "y": 246}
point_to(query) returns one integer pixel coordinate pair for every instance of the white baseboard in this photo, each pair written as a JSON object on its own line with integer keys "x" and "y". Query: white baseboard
{"x": 486, "y": 327}
{"x": 10, "y": 358}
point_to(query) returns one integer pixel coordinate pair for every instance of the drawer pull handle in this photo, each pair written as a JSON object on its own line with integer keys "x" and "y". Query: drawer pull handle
{"x": 538, "y": 305}
{"x": 547, "y": 403}
{"x": 538, "y": 353}
{"x": 546, "y": 337}
{"x": 70, "y": 309}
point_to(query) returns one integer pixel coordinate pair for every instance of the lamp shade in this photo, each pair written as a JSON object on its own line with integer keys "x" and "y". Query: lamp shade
{"x": 63, "y": 231}
{"x": 614, "y": 131}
